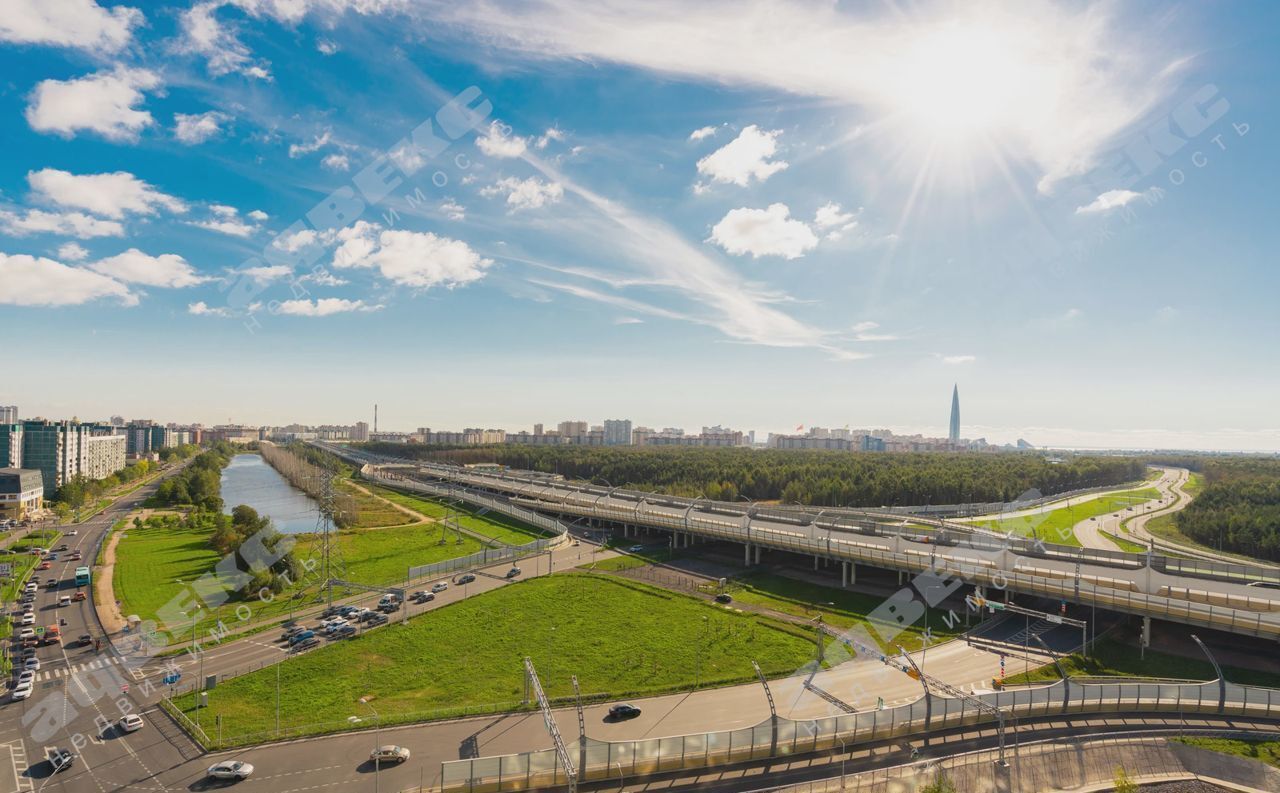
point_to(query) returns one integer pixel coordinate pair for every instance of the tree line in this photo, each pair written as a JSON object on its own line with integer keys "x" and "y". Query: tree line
{"x": 823, "y": 478}
{"x": 309, "y": 477}
{"x": 80, "y": 491}
{"x": 1239, "y": 508}
{"x": 199, "y": 484}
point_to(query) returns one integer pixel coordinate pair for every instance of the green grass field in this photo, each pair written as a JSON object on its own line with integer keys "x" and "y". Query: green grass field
{"x": 1056, "y": 525}
{"x": 1128, "y": 546}
{"x": 620, "y": 638}
{"x": 156, "y": 563}
{"x": 806, "y": 599}
{"x": 1195, "y": 483}
{"x": 1113, "y": 659}
{"x": 500, "y": 528}
{"x": 653, "y": 554}
{"x": 1264, "y": 751}
{"x": 372, "y": 511}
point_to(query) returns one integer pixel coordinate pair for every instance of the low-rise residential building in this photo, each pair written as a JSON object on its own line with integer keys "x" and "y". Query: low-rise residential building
{"x": 21, "y": 493}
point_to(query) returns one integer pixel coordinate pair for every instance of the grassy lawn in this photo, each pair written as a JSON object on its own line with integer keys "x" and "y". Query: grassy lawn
{"x": 1113, "y": 659}
{"x": 153, "y": 562}
{"x": 500, "y": 528}
{"x": 620, "y": 638}
{"x": 372, "y": 511}
{"x": 1195, "y": 483}
{"x": 1127, "y": 546}
{"x": 1056, "y": 525}
{"x": 799, "y": 598}
{"x": 654, "y": 554}
{"x": 23, "y": 563}
{"x": 1264, "y": 751}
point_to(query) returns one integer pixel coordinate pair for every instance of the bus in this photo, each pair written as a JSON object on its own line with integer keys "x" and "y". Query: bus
{"x": 82, "y": 576}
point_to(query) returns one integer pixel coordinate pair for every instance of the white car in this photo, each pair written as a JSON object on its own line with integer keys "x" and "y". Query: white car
{"x": 32, "y": 663}
{"x": 73, "y": 532}
{"x": 27, "y": 633}
{"x": 231, "y": 769}
{"x": 440, "y": 587}
{"x": 26, "y": 676}
{"x": 130, "y": 723}
{"x": 21, "y": 691}
{"x": 333, "y": 625}
{"x": 28, "y": 618}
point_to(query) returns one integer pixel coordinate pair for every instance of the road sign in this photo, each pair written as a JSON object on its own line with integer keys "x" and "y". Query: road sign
{"x": 39, "y": 631}
{"x": 1054, "y": 618}
{"x": 172, "y": 678}
{"x": 6, "y": 570}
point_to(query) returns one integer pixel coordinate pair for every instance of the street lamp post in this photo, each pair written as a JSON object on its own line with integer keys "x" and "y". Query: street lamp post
{"x": 377, "y": 722}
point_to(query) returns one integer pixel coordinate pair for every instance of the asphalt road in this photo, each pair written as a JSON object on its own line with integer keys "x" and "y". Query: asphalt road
{"x": 1090, "y": 530}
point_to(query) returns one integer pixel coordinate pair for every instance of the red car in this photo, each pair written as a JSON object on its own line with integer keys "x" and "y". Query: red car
{"x": 44, "y": 566}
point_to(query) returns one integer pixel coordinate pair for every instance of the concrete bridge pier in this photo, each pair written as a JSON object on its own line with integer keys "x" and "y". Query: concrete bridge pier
{"x": 848, "y": 574}
{"x": 746, "y": 555}
{"x": 758, "y": 549}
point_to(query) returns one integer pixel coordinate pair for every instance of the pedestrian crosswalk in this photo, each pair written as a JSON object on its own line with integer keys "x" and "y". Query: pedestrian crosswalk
{"x": 54, "y": 673}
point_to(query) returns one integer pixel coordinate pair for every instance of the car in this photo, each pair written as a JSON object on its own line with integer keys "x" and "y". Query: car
{"x": 333, "y": 626}
{"x": 620, "y": 712}
{"x": 62, "y": 547}
{"x": 724, "y": 597}
{"x": 51, "y": 582}
{"x": 60, "y": 759}
{"x": 388, "y": 608}
{"x": 77, "y": 597}
{"x": 44, "y": 566}
{"x": 73, "y": 532}
{"x": 28, "y": 606}
{"x": 512, "y": 573}
{"x": 85, "y": 640}
{"x": 27, "y": 633}
{"x": 636, "y": 548}
{"x": 466, "y": 579}
{"x": 28, "y": 619}
{"x": 53, "y": 557}
{"x": 389, "y": 754}
{"x": 130, "y": 723}
{"x": 301, "y": 636}
{"x": 424, "y": 597}
{"x": 377, "y": 619}
{"x": 26, "y": 676}
{"x": 347, "y": 611}
{"x": 306, "y": 644}
{"x": 22, "y": 691}
{"x": 65, "y": 600}
{"x": 32, "y": 663}
{"x": 439, "y": 587}
{"x": 331, "y": 611}
{"x": 575, "y": 543}
{"x": 344, "y": 631}
{"x": 230, "y": 769}
{"x": 368, "y": 616}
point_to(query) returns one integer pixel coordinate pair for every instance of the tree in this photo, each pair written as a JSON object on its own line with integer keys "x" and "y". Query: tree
{"x": 1122, "y": 782}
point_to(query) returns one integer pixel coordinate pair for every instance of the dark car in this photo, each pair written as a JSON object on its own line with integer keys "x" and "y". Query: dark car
{"x": 344, "y": 631}
{"x": 466, "y": 579}
{"x": 513, "y": 572}
{"x": 377, "y": 619}
{"x": 85, "y": 639}
{"x": 370, "y": 616}
{"x": 306, "y": 644}
{"x": 423, "y": 597}
{"x": 723, "y": 597}
{"x": 60, "y": 759}
{"x": 301, "y": 636}
{"x": 620, "y": 712}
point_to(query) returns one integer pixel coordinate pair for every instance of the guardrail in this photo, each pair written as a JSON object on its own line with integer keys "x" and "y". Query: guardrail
{"x": 781, "y": 737}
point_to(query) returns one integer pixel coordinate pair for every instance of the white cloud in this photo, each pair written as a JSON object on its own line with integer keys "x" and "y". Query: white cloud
{"x": 702, "y": 132}
{"x": 322, "y": 277}
{"x": 109, "y": 194}
{"x": 498, "y": 141}
{"x": 744, "y": 158}
{"x": 955, "y": 360}
{"x": 218, "y": 44}
{"x": 453, "y": 210}
{"x": 194, "y": 129}
{"x": 268, "y": 272}
{"x": 318, "y": 142}
{"x": 259, "y": 215}
{"x": 233, "y": 228}
{"x": 102, "y": 102}
{"x": 223, "y": 211}
{"x": 67, "y": 224}
{"x": 72, "y": 252}
{"x": 1028, "y": 71}
{"x": 628, "y": 321}
{"x": 337, "y": 162}
{"x": 323, "y": 307}
{"x": 420, "y": 260}
{"x": 200, "y": 308}
{"x": 296, "y": 241}
{"x": 30, "y": 281}
{"x": 530, "y": 193}
{"x": 552, "y": 134}
{"x": 763, "y": 232}
{"x": 862, "y": 332}
{"x": 133, "y": 266}
{"x": 1071, "y": 313}
{"x": 1112, "y": 199}
{"x": 327, "y": 47}
{"x": 835, "y": 221}
{"x": 82, "y": 24}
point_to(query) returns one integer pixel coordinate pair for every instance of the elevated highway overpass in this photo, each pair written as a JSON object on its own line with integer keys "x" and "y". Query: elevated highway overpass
{"x": 1238, "y": 598}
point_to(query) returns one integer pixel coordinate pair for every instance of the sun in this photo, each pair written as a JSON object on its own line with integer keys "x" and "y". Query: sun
{"x": 959, "y": 81}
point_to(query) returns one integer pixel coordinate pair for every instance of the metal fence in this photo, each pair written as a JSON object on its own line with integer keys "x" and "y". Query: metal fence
{"x": 782, "y": 737}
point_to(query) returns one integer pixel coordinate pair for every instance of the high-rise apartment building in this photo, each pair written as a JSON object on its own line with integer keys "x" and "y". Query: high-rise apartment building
{"x": 8, "y": 414}
{"x": 617, "y": 432}
{"x": 63, "y": 450}
{"x": 572, "y": 429}
{"x": 10, "y": 445}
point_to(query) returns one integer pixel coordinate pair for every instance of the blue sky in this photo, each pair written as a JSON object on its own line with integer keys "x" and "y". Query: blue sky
{"x": 756, "y": 214}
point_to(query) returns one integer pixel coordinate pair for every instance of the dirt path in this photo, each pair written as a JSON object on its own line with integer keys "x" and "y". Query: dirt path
{"x": 104, "y": 596}
{"x": 418, "y": 517}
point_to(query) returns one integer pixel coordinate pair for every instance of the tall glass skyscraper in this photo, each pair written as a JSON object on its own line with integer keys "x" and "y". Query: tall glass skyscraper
{"x": 955, "y": 414}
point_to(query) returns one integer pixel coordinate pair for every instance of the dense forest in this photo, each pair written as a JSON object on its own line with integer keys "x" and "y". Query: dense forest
{"x": 1239, "y": 508}
{"x": 807, "y": 477}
